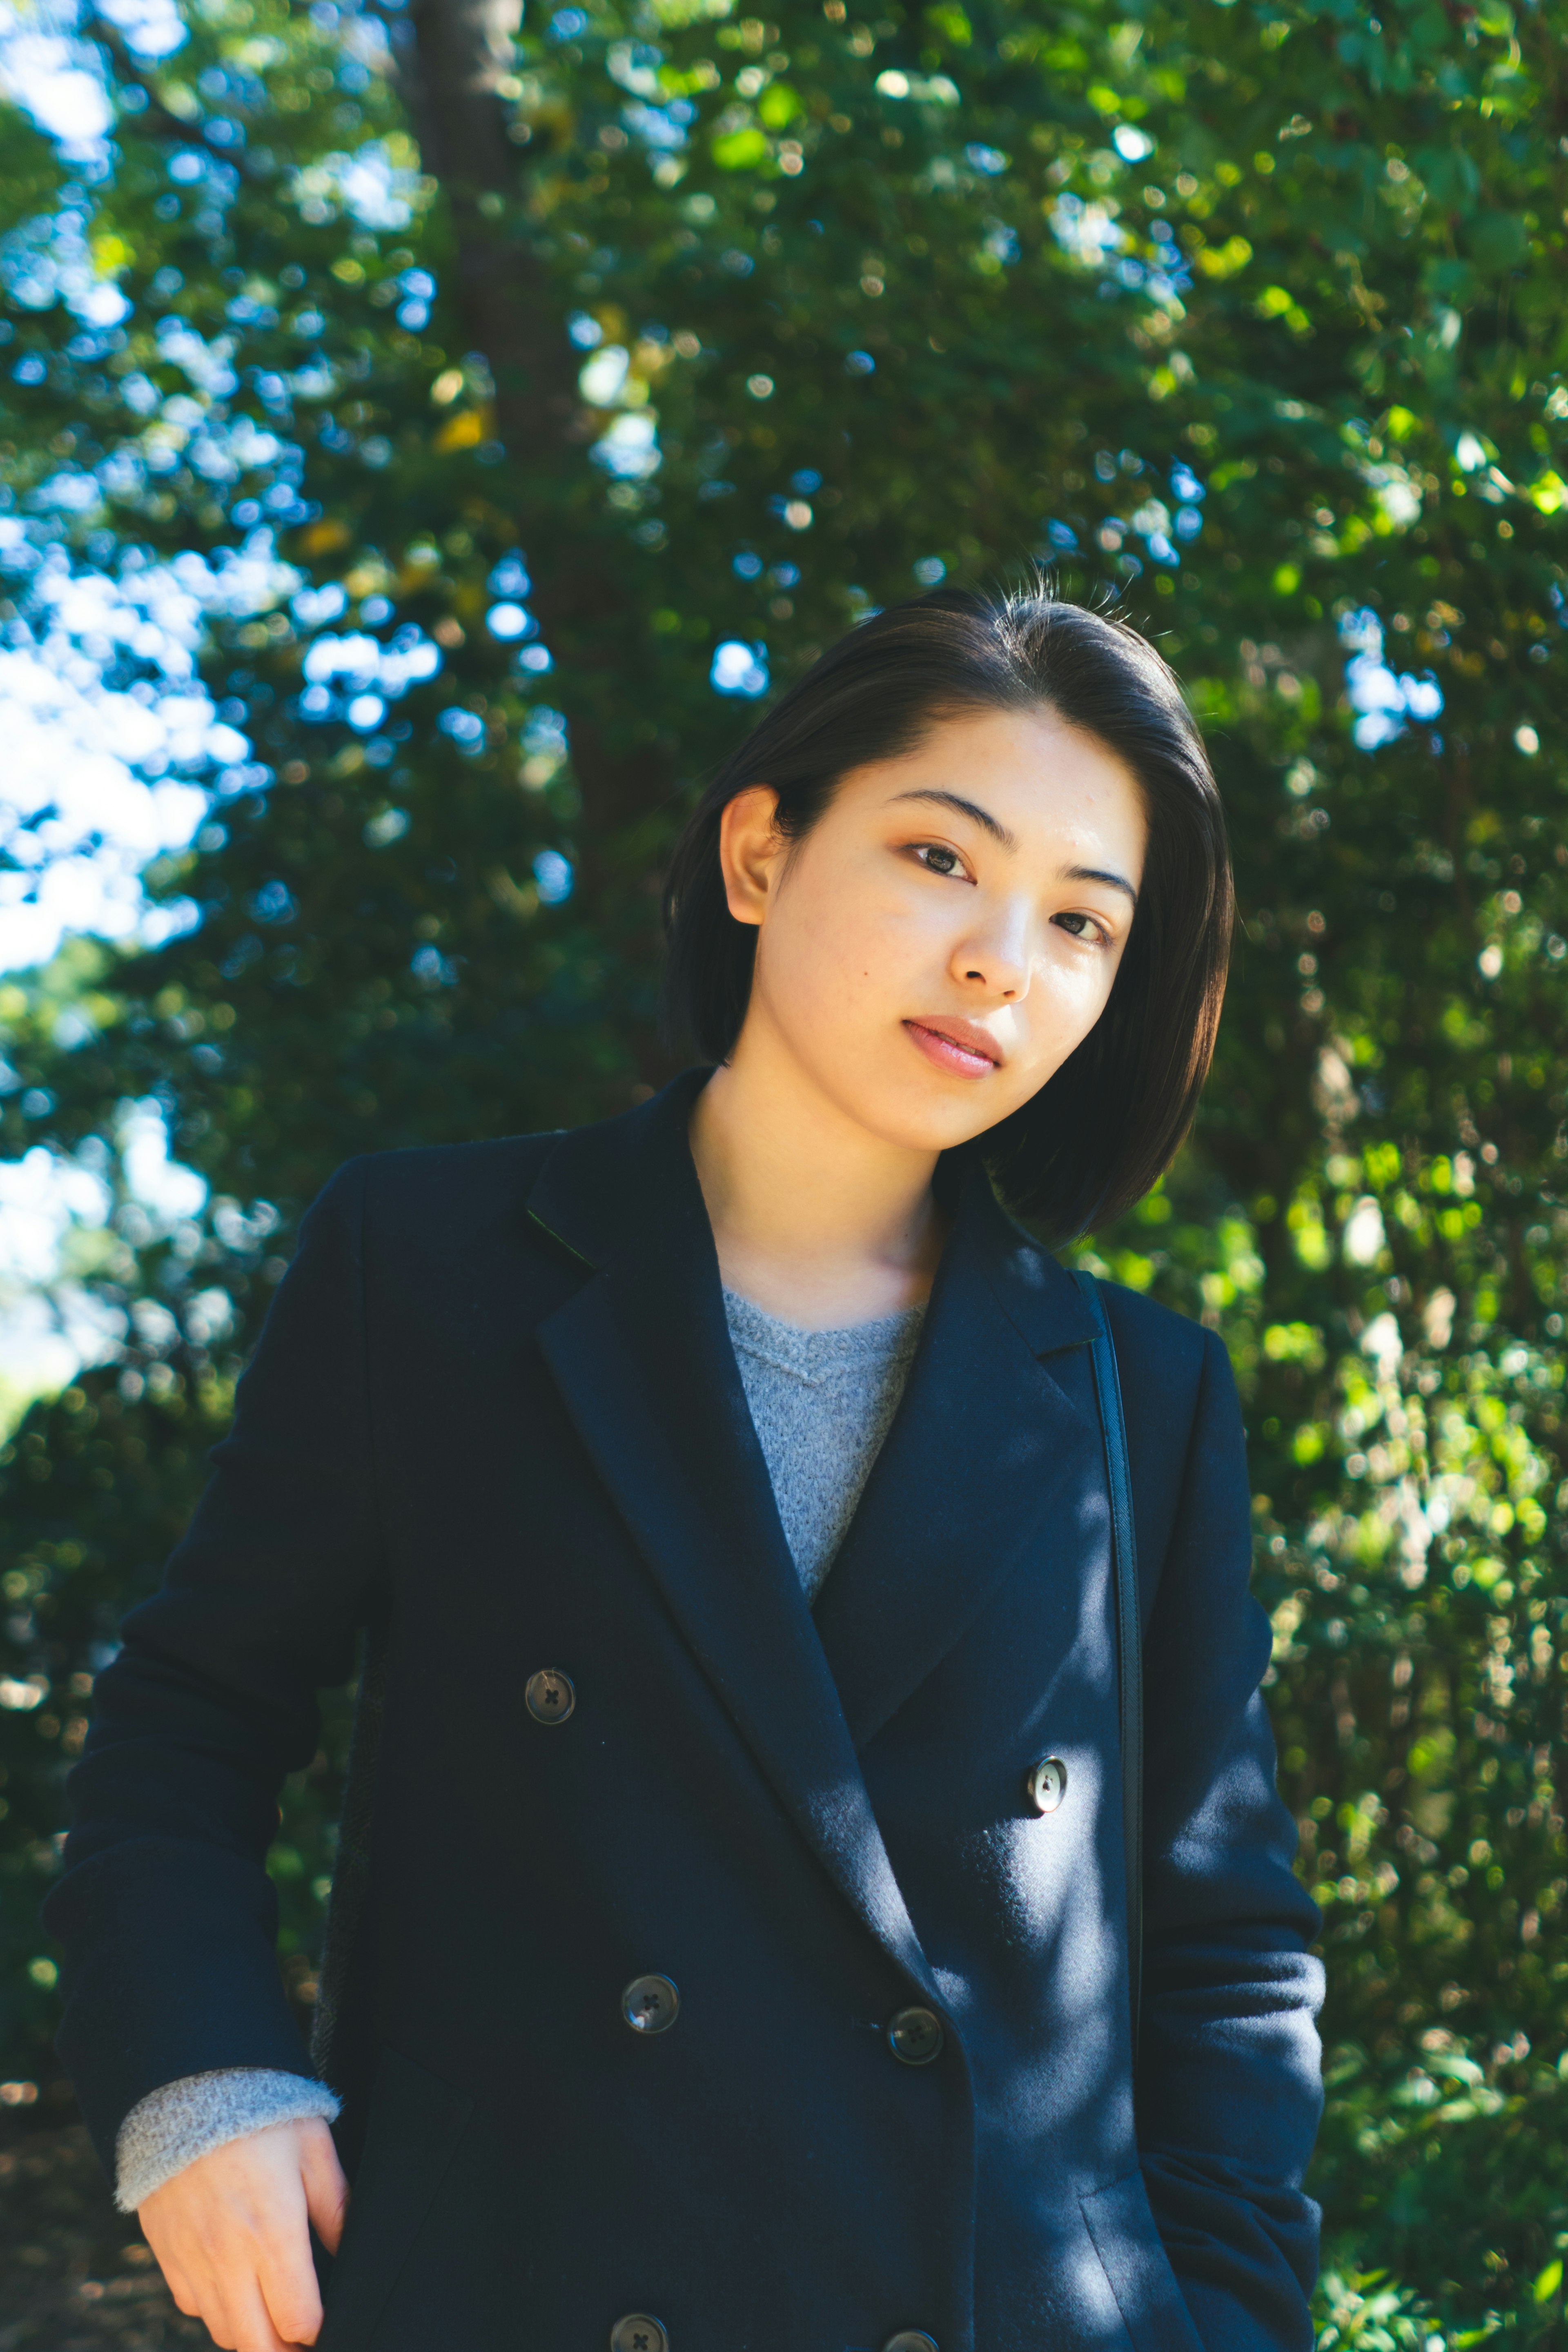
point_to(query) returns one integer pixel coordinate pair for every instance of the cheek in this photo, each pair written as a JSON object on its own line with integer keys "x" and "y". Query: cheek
{"x": 1073, "y": 983}
{"x": 834, "y": 948}
{"x": 1068, "y": 992}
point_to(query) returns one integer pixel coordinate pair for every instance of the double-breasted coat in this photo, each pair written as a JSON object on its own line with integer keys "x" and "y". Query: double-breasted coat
{"x": 494, "y": 1418}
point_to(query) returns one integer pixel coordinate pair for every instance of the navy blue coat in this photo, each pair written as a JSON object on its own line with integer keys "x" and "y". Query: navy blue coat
{"x": 495, "y": 1417}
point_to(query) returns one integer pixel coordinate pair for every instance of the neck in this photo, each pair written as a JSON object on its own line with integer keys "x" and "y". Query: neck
{"x": 814, "y": 1218}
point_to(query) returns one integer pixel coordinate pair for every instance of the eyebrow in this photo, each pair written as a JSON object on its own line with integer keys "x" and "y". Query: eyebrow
{"x": 1097, "y": 873}
{"x": 1010, "y": 840}
{"x": 961, "y": 807}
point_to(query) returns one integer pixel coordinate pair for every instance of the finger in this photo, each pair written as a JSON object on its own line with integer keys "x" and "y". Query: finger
{"x": 292, "y": 2303}
{"x": 175, "y": 2277}
{"x": 203, "y": 2293}
{"x": 292, "y": 2299}
{"x": 214, "y": 2315}
{"x": 186, "y": 2297}
{"x": 180, "y": 2286}
{"x": 326, "y": 2190}
{"x": 285, "y": 2279}
{"x": 249, "y": 2321}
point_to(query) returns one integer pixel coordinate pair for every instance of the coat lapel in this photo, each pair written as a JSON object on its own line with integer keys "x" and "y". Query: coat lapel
{"x": 989, "y": 1461}
{"x": 642, "y": 1358}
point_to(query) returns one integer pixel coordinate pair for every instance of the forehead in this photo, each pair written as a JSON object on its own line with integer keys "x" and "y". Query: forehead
{"x": 1028, "y": 768}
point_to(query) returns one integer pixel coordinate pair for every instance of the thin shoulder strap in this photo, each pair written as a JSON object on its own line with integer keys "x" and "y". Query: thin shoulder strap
{"x": 1129, "y": 1633}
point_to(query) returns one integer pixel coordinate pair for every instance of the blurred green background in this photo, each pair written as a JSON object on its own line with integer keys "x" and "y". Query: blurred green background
{"x": 493, "y": 411}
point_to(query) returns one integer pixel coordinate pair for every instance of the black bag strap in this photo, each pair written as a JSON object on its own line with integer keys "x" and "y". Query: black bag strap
{"x": 1128, "y": 1632}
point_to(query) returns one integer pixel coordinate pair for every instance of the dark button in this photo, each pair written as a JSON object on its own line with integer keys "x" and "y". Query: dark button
{"x": 1046, "y": 1784}
{"x": 916, "y": 2036}
{"x": 910, "y": 2339}
{"x": 549, "y": 1695}
{"x": 650, "y": 2004}
{"x": 638, "y": 2333}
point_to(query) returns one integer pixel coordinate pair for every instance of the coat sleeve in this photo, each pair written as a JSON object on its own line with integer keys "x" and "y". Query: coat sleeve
{"x": 1229, "y": 2083}
{"x": 165, "y": 1909}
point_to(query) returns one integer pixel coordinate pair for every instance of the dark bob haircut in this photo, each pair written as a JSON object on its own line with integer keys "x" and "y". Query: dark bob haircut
{"x": 1103, "y": 1130}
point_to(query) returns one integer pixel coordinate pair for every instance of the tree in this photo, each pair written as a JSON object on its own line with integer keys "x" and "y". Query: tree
{"x": 532, "y": 396}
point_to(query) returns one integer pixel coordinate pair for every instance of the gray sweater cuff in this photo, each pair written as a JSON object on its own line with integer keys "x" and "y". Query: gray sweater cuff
{"x": 172, "y": 2126}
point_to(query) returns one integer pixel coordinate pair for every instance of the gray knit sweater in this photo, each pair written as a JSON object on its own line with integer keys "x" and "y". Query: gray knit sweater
{"x": 822, "y": 1403}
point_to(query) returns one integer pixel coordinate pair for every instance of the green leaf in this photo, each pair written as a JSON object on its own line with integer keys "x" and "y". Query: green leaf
{"x": 1498, "y": 240}
{"x": 779, "y": 104}
{"x": 952, "y": 24}
{"x": 741, "y": 150}
{"x": 32, "y": 174}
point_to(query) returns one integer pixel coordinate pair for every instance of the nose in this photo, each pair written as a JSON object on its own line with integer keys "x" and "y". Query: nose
{"x": 996, "y": 955}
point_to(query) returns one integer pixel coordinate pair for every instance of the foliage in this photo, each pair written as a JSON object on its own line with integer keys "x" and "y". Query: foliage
{"x": 531, "y": 404}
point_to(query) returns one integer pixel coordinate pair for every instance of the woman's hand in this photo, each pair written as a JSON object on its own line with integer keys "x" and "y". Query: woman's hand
{"x": 232, "y": 2237}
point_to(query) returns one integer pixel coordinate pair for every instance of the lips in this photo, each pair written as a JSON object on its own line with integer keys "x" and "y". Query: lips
{"x": 960, "y": 1047}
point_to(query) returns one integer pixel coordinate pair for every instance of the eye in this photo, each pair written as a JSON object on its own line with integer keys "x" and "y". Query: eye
{"x": 1095, "y": 932}
{"x": 937, "y": 859}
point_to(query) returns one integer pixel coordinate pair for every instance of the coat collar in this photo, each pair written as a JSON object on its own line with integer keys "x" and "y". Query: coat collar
{"x": 981, "y": 1453}
{"x": 987, "y": 1460}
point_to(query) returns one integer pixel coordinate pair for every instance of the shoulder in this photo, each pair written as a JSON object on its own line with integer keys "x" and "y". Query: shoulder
{"x": 1173, "y": 1370}
{"x": 1185, "y": 1434}
{"x": 1145, "y": 1329}
{"x": 424, "y": 1188}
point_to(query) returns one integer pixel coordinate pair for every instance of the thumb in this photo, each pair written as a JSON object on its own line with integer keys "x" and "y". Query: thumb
{"x": 326, "y": 2188}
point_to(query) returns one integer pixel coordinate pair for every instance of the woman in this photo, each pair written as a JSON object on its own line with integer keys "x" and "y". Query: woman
{"x": 754, "y": 1969}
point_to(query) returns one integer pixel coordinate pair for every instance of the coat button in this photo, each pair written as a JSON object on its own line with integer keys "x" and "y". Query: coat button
{"x": 549, "y": 1697}
{"x": 638, "y": 2333}
{"x": 1046, "y": 1784}
{"x": 650, "y": 2005}
{"x": 910, "y": 2339}
{"x": 916, "y": 2036}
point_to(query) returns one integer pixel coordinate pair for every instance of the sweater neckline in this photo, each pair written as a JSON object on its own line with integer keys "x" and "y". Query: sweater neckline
{"x": 880, "y": 1335}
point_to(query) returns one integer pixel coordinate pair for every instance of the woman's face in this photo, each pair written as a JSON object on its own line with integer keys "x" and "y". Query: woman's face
{"x": 949, "y": 930}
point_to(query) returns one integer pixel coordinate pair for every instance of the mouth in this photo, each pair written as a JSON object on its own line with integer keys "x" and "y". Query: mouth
{"x": 956, "y": 1046}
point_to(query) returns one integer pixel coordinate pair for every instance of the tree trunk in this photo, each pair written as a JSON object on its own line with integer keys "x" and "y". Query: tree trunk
{"x": 453, "y": 56}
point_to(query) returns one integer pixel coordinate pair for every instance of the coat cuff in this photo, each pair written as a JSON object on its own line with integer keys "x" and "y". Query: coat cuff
{"x": 172, "y": 2126}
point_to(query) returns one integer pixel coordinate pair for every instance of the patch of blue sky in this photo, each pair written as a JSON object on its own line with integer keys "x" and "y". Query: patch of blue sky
{"x": 635, "y": 65}
{"x": 55, "y": 1208}
{"x": 630, "y": 448}
{"x": 1385, "y": 701}
{"x": 510, "y": 577}
{"x": 47, "y": 260}
{"x": 1087, "y": 229}
{"x": 365, "y": 184}
{"x": 740, "y": 668}
{"x": 56, "y": 79}
{"x": 602, "y": 379}
{"x": 545, "y": 730}
{"x": 114, "y": 749}
{"x": 552, "y": 877}
{"x": 1133, "y": 146}
{"x": 356, "y": 664}
{"x": 465, "y": 727}
{"x": 51, "y": 1205}
{"x": 661, "y": 127}
{"x": 151, "y": 28}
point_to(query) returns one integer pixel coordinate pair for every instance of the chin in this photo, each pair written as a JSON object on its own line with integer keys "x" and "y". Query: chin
{"x": 933, "y": 1119}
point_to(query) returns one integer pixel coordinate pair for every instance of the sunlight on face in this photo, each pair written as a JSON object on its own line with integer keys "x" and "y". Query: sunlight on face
{"x": 949, "y": 930}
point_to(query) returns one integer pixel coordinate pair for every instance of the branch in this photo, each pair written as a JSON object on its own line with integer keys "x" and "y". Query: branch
{"x": 162, "y": 118}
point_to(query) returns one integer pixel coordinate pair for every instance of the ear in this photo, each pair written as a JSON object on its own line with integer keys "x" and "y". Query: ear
{"x": 751, "y": 850}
